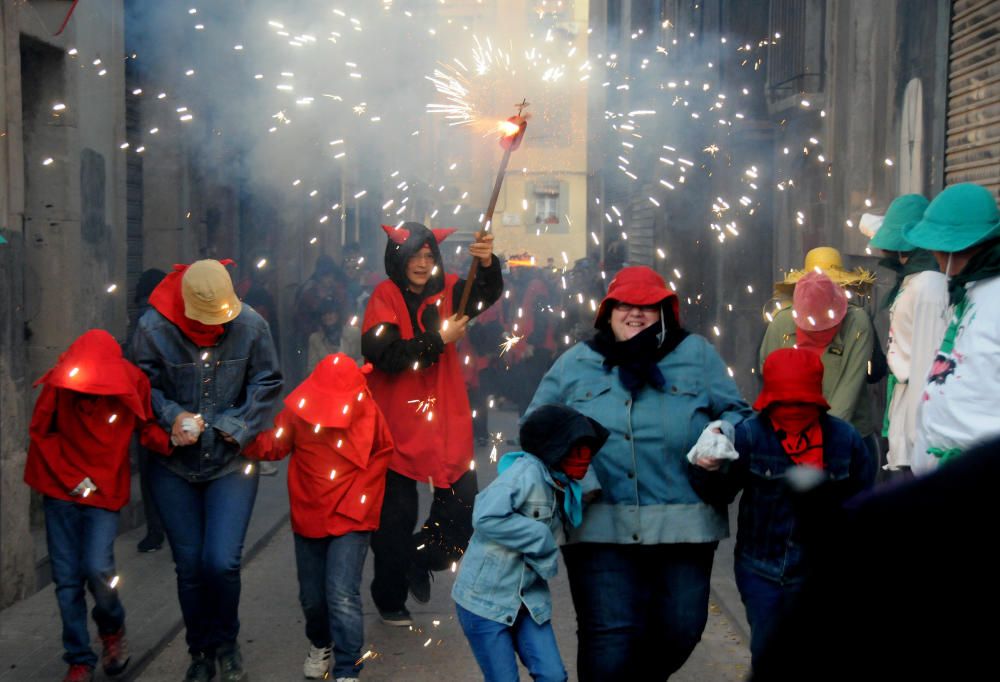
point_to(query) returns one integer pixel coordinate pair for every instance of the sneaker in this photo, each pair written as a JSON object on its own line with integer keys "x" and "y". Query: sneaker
{"x": 150, "y": 543}
{"x": 202, "y": 668}
{"x": 399, "y": 618}
{"x": 231, "y": 663}
{"x": 317, "y": 663}
{"x": 419, "y": 580}
{"x": 79, "y": 672}
{"x": 267, "y": 468}
{"x": 114, "y": 656}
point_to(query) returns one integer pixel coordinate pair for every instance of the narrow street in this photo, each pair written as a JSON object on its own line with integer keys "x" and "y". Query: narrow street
{"x": 273, "y": 640}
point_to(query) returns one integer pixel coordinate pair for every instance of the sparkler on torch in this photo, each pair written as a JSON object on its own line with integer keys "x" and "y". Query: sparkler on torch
{"x": 513, "y": 133}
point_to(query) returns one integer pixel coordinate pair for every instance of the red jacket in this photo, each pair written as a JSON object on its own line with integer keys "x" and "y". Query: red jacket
{"x": 76, "y": 435}
{"x": 438, "y": 449}
{"x": 336, "y": 479}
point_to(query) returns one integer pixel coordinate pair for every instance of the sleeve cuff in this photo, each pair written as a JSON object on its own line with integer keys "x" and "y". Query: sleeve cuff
{"x": 234, "y": 427}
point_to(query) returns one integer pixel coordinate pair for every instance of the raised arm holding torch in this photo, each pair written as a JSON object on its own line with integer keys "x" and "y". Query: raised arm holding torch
{"x": 512, "y": 133}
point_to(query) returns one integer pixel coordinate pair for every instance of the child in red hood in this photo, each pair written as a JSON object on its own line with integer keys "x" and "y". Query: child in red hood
{"x": 91, "y": 402}
{"x": 792, "y": 428}
{"x": 336, "y": 482}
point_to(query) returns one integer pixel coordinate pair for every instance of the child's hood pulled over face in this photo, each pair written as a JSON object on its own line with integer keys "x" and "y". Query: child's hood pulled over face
{"x": 562, "y": 438}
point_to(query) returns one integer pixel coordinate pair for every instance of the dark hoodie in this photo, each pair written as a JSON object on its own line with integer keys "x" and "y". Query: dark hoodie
{"x": 386, "y": 349}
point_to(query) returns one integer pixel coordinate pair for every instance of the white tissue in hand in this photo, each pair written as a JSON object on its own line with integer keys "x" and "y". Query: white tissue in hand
{"x": 712, "y": 445}
{"x": 189, "y": 425}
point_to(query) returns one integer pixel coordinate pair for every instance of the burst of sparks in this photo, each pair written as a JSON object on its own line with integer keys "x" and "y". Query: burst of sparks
{"x": 424, "y": 405}
{"x": 509, "y": 342}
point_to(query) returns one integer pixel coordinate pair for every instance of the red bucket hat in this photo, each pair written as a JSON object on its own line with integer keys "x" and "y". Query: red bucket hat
{"x": 792, "y": 375}
{"x": 818, "y": 303}
{"x": 333, "y": 393}
{"x": 93, "y": 364}
{"x": 638, "y": 285}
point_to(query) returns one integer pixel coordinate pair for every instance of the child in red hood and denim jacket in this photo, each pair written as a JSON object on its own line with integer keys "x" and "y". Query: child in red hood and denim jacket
{"x": 336, "y": 482}
{"x": 792, "y": 428}
{"x": 78, "y": 459}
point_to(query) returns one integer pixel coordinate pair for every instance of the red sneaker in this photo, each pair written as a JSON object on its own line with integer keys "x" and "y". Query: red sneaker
{"x": 79, "y": 672}
{"x": 115, "y": 655}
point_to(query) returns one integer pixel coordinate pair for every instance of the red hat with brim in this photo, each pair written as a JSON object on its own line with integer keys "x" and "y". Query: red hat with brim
{"x": 792, "y": 375}
{"x": 93, "y": 364}
{"x": 637, "y": 285}
{"x": 333, "y": 393}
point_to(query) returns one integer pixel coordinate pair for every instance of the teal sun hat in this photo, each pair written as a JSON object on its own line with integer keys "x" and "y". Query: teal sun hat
{"x": 961, "y": 216}
{"x": 903, "y": 212}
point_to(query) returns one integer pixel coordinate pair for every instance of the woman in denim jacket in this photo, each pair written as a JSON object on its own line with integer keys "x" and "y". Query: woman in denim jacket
{"x": 639, "y": 564}
{"x": 215, "y": 381}
{"x": 501, "y": 592}
{"x": 793, "y": 428}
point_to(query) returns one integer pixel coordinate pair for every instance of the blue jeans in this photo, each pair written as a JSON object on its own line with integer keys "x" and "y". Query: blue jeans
{"x": 206, "y": 523}
{"x": 766, "y": 601}
{"x": 330, "y": 593}
{"x": 640, "y": 609}
{"x": 494, "y": 645}
{"x": 81, "y": 541}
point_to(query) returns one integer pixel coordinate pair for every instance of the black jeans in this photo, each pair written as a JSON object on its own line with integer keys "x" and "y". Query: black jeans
{"x": 640, "y": 609}
{"x": 440, "y": 541}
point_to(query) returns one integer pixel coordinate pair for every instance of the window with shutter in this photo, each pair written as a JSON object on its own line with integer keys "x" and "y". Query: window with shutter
{"x": 972, "y": 148}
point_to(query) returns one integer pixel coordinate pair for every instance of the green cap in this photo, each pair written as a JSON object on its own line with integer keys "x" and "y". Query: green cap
{"x": 961, "y": 216}
{"x": 903, "y": 212}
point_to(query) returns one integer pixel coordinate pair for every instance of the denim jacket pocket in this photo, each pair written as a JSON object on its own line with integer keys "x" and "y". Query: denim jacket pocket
{"x": 537, "y": 509}
{"x": 587, "y": 391}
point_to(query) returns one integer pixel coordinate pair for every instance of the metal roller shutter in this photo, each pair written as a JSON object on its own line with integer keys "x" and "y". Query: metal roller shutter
{"x": 972, "y": 152}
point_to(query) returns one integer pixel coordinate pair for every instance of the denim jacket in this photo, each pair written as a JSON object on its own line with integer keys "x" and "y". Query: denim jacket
{"x": 515, "y": 547}
{"x": 642, "y": 471}
{"x": 233, "y": 385}
{"x": 769, "y": 538}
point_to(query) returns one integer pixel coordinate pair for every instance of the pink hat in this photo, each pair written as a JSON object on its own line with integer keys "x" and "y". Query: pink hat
{"x": 818, "y": 303}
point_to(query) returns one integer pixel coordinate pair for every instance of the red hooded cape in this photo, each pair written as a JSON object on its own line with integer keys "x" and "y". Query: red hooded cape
{"x": 434, "y": 444}
{"x": 91, "y": 402}
{"x": 336, "y": 478}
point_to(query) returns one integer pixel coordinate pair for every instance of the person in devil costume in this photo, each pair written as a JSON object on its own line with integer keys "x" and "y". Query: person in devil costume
{"x": 409, "y": 334}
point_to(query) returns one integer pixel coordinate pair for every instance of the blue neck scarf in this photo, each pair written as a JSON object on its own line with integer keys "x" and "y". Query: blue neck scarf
{"x": 572, "y": 491}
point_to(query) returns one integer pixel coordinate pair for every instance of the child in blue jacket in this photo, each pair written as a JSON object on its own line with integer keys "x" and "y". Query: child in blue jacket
{"x": 501, "y": 592}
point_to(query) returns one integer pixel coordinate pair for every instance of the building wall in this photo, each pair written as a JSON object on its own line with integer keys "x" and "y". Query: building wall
{"x": 64, "y": 221}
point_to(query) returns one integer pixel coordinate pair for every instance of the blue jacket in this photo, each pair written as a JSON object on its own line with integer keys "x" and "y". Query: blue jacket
{"x": 646, "y": 497}
{"x": 769, "y": 539}
{"x": 234, "y": 385}
{"x": 514, "y": 549}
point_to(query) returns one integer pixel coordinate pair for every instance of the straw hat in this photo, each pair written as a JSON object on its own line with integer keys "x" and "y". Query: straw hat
{"x": 827, "y": 260}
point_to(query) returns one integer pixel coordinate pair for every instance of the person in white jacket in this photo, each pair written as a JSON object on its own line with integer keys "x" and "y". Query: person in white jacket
{"x": 958, "y": 408}
{"x": 917, "y": 307}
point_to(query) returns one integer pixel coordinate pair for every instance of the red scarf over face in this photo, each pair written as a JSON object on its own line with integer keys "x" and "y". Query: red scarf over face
{"x": 799, "y": 431}
{"x": 815, "y": 341}
{"x": 575, "y": 464}
{"x": 169, "y": 302}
